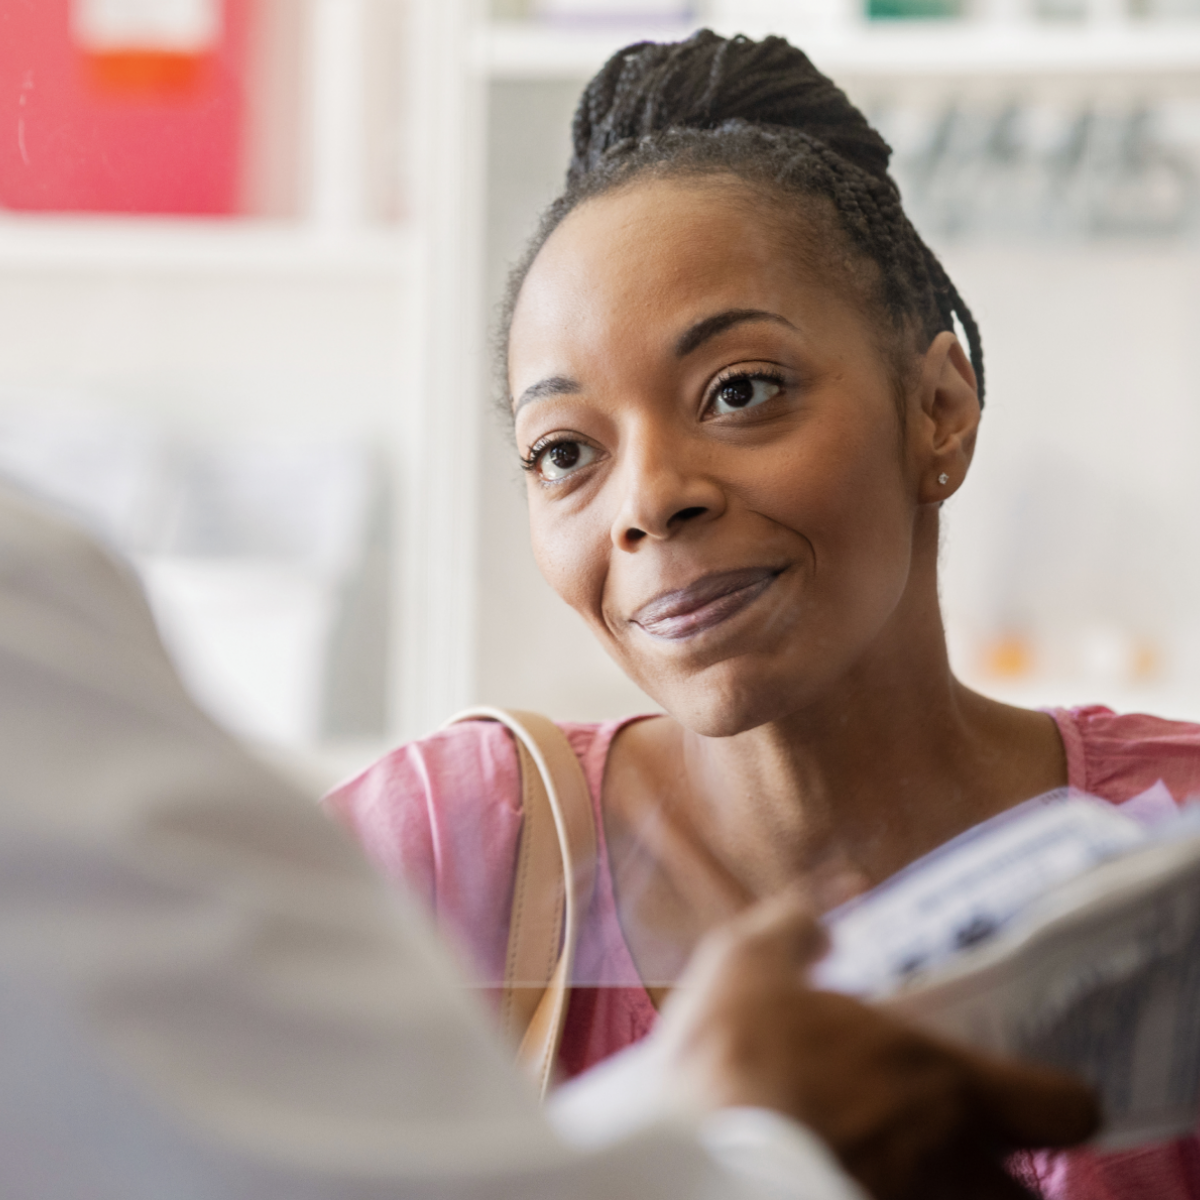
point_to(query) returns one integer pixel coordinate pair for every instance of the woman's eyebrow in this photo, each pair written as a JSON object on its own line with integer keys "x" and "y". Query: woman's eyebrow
{"x": 691, "y": 338}
{"x": 552, "y": 385}
{"x": 699, "y": 333}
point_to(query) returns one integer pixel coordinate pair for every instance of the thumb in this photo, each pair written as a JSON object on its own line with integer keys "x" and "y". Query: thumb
{"x": 1031, "y": 1105}
{"x": 783, "y": 929}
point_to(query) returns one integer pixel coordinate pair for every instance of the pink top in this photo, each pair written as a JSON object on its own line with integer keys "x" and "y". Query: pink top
{"x": 443, "y": 817}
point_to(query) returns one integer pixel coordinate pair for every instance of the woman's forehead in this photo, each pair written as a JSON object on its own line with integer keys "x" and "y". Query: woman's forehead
{"x": 652, "y": 256}
{"x": 674, "y": 228}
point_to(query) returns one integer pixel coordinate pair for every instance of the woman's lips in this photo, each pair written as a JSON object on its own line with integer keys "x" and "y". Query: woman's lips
{"x": 705, "y": 603}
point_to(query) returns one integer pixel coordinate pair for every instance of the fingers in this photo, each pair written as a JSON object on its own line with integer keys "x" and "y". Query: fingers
{"x": 784, "y": 925}
{"x": 978, "y": 1177}
{"x": 909, "y": 1115}
{"x": 770, "y": 943}
{"x": 1029, "y": 1105}
{"x": 782, "y": 932}
{"x": 833, "y": 883}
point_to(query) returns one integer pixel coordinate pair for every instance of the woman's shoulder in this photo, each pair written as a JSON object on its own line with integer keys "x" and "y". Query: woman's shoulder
{"x": 1120, "y": 755}
{"x": 447, "y": 807}
{"x": 394, "y": 805}
{"x": 441, "y": 816}
{"x": 427, "y": 789}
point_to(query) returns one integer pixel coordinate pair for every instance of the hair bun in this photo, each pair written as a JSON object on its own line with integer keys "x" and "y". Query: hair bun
{"x": 707, "y": 80}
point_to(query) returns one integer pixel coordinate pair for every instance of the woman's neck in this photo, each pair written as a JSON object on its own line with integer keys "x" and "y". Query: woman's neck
{"x": 869, "y": 783}
{"x": 896, "y": 759}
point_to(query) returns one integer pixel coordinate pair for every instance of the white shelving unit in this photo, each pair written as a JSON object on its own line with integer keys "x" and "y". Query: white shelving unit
{"x": 330, "y": 234}
{"x": 436, "y": 272}
{"x": 210, "y": 247}
{"x": 515, "y": 50}
{"x": 232, "y": 326}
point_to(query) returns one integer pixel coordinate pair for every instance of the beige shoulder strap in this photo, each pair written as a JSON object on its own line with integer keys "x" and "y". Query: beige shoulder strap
{"x": 552, "y": 889}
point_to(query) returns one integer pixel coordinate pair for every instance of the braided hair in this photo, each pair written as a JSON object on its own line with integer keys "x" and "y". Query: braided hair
{"x": 758, "y": 111}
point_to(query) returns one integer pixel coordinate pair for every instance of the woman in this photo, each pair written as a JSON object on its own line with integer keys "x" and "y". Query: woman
{"x": 739, "y": 397}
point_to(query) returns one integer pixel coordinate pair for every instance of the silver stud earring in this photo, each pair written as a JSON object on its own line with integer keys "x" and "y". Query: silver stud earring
{"x": 943, "y": 479}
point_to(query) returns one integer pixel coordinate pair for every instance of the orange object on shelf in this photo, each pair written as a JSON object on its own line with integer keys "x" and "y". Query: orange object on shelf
{"x": 1009, "y": 656}
{"x": 160, "y": 73}
{"x": 1147, "y": 660}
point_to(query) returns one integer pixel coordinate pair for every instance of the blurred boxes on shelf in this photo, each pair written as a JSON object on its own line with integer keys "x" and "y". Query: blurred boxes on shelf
{"x": 123, "y": 105}
{"x": 202, "y": 107}
{"x": 913, "y": 10}
{"x": 1063, "y": 167}
{"x": 150, "y": 48}
{"x": 615, "y": 11}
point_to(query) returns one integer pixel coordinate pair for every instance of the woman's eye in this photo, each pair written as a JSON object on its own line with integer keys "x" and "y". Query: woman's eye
{"x": 563, "y": 458}
{"x": 746, "y": 391}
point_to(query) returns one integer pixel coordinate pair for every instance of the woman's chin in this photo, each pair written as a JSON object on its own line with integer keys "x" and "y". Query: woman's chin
{"x": 734, "y": 693}
{"x": 720, "y": 708}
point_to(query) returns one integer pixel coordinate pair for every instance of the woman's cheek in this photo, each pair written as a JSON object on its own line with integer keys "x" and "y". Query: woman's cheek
{"x": 571, "y": 552}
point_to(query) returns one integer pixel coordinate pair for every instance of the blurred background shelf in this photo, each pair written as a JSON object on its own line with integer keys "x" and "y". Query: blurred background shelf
{"x": 951, "y": 50}
{"x": 198, "y": 245}
{"x": 392, "y": 158}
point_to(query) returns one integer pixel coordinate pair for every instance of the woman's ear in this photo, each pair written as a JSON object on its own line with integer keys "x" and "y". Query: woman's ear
{"x": 945, "y": 427}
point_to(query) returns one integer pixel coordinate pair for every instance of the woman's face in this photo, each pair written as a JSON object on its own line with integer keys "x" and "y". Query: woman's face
{"x": 718, "y": 483}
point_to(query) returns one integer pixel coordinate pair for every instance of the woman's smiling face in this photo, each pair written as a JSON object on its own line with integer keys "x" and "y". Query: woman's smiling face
{"x": 718, "y": 483}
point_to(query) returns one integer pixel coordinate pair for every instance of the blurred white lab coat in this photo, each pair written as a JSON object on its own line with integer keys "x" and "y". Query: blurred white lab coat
{"x": 204, "y": 994}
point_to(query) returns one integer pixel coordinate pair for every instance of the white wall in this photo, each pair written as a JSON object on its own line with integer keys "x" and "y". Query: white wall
{"x": 195, "y": 335}
{"x": 302, "y": 348}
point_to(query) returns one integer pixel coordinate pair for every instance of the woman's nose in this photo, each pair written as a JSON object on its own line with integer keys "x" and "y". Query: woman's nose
{"x": 663, "y": 495}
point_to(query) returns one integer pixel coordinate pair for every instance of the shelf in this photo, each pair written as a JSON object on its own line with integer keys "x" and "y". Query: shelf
{"x": 200, "y": 246}
{"x": 524, "y": 50}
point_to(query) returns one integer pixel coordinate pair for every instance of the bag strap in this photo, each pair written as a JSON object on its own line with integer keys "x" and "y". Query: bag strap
{"x": 552, "y": 887}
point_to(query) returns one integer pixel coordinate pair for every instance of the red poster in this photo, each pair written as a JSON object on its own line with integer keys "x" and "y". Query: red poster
{"x": 122, "y": 105}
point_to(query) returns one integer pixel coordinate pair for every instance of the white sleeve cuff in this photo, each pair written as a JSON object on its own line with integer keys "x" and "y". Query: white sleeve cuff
{"x": 769, "y": 1155}
{"x": 779, "y": 1157}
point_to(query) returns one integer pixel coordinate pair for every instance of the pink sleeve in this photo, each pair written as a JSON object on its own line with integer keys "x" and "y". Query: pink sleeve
{"x": 1119, "y": 756}
{"x": 442, "y": 817}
